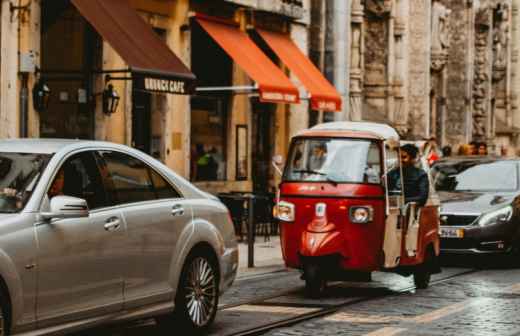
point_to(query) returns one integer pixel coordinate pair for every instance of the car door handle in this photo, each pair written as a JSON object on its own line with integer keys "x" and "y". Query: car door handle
{"x": 177, "y": 210}
{"x": 112, "y": 224}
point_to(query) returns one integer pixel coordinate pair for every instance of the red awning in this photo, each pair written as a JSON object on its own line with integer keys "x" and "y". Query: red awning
{"x": 323, "y": 95}
{"x": 273, "y": 84}
{"x": 156, "y": 66}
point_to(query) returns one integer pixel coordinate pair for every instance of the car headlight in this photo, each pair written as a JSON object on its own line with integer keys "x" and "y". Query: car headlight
{"x": 361, "y": 214}
{"x": 495, "y": 217}
{"x": 285, "y": 211}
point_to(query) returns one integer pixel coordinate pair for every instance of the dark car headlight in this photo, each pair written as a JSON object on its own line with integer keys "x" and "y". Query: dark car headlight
{"x": 496, "y": 217}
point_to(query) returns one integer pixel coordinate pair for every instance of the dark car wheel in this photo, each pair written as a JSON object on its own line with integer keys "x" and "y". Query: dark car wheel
{"x": 315, "y": 284}
{"x": 196, "y": 302}
{"x": 4, "y": 329}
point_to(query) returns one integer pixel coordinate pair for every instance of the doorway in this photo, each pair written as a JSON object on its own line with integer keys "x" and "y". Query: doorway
{"x": 142, "y": 121}
{"x": 263, "y": 144}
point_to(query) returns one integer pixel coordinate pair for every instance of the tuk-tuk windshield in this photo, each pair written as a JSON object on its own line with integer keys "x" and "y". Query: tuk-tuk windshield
{"x": 334, "y": 160}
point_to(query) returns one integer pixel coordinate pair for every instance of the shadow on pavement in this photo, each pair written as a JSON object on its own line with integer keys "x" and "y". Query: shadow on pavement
{"x": 481, "y": 261}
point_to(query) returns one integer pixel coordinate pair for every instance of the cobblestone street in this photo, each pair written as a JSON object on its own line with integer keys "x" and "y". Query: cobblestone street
{"x": 460, "y": 301}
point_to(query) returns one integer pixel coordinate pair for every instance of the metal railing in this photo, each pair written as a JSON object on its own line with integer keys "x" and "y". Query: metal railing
{"x": 252, "y": 216}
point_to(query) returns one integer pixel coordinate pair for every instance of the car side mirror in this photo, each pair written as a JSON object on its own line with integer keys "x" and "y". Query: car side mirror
{"x": 63, "y": 207}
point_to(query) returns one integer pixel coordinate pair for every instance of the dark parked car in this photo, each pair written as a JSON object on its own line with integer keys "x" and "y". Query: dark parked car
{"x": 480, "y": 204}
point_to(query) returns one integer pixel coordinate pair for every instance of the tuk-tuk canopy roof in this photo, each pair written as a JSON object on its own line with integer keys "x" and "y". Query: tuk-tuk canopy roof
{"x": 381, "y": 131}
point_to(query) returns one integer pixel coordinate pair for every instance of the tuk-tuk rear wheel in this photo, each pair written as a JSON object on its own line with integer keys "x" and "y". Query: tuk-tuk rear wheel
{"x": 314, "y": 282}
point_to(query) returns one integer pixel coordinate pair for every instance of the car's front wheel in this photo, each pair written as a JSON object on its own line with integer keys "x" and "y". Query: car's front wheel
{"x": 196, "y": 302}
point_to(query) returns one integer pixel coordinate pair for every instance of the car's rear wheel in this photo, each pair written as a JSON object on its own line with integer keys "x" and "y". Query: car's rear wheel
{"x": 196, "y": 302}
{"x": 4, "y": 329}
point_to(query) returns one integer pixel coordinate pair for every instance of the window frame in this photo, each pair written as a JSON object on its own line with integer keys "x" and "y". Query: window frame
{"x": 149, "y": 167}
{"x": 62, "y": 161}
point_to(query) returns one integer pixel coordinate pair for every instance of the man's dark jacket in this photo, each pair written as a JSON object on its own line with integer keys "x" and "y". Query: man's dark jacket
{"x": 415, "y": 181}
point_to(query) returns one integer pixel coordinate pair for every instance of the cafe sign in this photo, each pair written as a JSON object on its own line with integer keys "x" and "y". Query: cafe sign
{"x": 163, "y": 85}
{"x": 290, "y": 8}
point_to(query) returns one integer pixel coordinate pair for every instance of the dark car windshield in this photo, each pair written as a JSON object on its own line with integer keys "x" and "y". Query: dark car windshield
{"x": 476, "y": 176}
{"x": 19, "y": 174}
{"x": 334, "y": 160}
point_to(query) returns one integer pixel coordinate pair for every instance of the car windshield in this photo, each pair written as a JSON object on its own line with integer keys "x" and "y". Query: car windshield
{"x": 476, "y": 176}
{"x": 19, "y": 174}
{"x": 334, "y": 161}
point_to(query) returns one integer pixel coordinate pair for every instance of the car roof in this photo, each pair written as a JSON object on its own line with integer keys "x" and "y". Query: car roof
{"x": 47, "y": 146}
{"x": 476, "y": 158}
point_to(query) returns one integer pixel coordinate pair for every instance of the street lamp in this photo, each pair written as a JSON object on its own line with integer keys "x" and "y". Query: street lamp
{"x": 110, "y": 100}
{"x": 41, "y": 96}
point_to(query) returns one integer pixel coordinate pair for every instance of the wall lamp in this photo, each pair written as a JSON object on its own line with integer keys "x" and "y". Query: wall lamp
{"x": 110, "y": 100}
{"x": 41, "y": 96}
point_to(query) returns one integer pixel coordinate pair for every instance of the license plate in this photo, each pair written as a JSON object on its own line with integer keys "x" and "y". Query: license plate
{"x": 452, "y": 233}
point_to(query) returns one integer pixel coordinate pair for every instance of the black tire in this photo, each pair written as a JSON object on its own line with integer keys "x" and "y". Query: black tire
{"x": 4, "y": 318}
{"x": 196, "y": 302}
{"x": 315, "y": 284}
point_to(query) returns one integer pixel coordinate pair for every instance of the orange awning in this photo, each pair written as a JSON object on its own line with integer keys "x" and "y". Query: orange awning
{"x": 153, "y": 65}
{"x": 273, "y": 84}
{"x": 323, "y": 95}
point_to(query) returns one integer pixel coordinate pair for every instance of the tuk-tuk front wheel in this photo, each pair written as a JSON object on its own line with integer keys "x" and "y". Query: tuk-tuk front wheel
{"x": 315, "y": 283}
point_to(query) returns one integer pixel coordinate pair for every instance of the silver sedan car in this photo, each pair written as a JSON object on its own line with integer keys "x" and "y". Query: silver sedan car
{"x": 94, "y": 232}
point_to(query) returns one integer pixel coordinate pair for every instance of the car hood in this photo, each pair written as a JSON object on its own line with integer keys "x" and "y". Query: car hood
{"x": 474, "y": 202}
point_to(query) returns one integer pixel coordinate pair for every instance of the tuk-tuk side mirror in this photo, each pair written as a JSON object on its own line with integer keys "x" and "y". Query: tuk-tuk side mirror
{"x": 277, "y": 163}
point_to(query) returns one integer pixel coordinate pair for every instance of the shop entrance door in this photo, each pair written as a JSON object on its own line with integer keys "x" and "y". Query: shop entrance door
{"x": 141, "y": 121}
{"x": 263, "y": 136}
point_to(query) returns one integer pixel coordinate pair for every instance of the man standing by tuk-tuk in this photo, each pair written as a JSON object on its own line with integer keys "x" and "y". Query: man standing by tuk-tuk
{"x": 415, "y": 180}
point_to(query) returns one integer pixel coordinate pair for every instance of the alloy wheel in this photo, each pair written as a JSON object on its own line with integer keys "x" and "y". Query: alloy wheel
{"x": 200, "y": 291}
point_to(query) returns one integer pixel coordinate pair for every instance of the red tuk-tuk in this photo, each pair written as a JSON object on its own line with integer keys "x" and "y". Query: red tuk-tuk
{"x": 338, "y": 218}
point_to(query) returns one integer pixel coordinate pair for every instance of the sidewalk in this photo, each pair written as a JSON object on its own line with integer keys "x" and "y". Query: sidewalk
{"x": 268, "y": 258}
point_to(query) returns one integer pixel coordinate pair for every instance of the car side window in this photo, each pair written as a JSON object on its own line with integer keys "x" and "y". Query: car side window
{"x": 79, "y": 177}
{"x": 162, "y": 188}
{"x": 130, "y": 180}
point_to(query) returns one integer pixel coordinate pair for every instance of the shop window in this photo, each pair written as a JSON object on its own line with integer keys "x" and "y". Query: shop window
{"x": 209, "y": 111}
{"x": 208, "y": 138}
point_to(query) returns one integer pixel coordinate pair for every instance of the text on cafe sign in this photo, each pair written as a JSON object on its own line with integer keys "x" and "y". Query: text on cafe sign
{"x": 164, "y": 85}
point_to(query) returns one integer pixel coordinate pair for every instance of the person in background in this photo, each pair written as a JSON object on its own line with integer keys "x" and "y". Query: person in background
{"x": 430, "y": 150}
{"x": 446, "y": 151}
{"x": 415, "y": 180}
{"x": 482, "y": 149}
{"x": 318, "y": 157}
{"x": 473, "y": 148}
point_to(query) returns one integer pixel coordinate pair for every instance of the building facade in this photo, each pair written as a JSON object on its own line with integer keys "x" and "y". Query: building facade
{"x": 62, "y": 59}
{"x": 431, "y": 68}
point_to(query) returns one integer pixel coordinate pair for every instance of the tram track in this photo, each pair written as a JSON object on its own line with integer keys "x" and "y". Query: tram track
{"x": 318, "y": 310}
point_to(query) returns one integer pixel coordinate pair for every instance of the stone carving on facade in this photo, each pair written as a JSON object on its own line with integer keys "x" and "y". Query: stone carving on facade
{"x": 500, "y": 41}
{"x": 356, "y": 60}
{"x": 376, "y": 53}
{"x": 379, "y": 8}
{"x": 419, "y": 67}
{"x": 440, "y": 35}
{"x": 481, "y": 79}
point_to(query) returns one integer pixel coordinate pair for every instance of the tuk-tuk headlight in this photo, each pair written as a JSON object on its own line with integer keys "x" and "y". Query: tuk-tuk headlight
{"x": 496, "y": 217}
{"x": 361, "y": 214}
{"x": 285, "y": 211}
